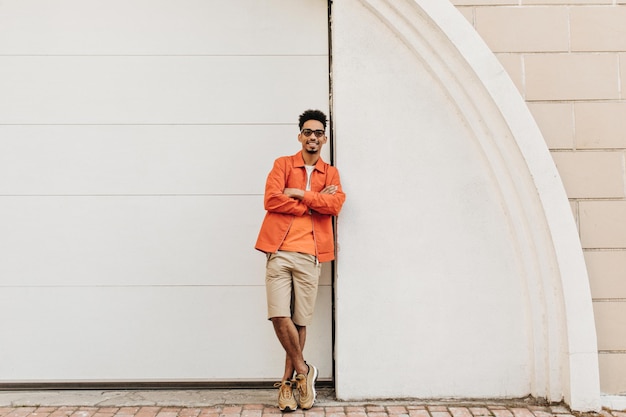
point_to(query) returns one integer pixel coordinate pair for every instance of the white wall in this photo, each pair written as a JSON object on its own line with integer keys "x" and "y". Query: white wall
{"x": 135, "y": 138}
{"x": 459, "y": 273}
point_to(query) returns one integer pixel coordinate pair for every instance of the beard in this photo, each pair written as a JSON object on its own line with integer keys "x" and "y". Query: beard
{"x": 314, "y": 150}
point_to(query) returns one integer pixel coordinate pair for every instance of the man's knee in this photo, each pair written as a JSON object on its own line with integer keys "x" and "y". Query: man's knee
{"x": 280, "y": 320}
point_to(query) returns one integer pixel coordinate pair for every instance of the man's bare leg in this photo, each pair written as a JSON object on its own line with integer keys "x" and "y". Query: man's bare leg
{"x": 289, "y": 368}
{"x": 292, "y": 339}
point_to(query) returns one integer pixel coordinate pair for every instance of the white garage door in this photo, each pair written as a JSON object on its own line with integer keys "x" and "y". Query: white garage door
{"x": 135, "y": 138}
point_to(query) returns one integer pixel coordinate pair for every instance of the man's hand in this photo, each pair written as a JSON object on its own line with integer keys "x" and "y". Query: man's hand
{"x": 330, "y": 189}
{"x": 294, "y": 193}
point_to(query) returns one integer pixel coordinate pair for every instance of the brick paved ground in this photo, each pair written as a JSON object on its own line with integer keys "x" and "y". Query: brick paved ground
{"x": 261, "y": 410}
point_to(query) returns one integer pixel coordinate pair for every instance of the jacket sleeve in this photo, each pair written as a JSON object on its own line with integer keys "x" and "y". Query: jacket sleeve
{"x": 327, "y": 203}
{"x": 275, "y": 201}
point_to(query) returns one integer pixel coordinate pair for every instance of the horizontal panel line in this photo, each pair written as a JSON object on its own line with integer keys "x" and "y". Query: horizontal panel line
{"x": 614, "y": 249}
{"x": 147, "y": 286}
{"x": 133, "y": 286}
{"x": 609, "y": 300}
{"x": 163, "y": 55}
{"x": 131, "y": 195}
{"x": 592, "y": 199}
{"x": 604, "y": 249}
{"x": 585, "y": 150}
{"x": 564, "y": 150}
{"x": 575, "y": 100}
{"x": 148, "y": 124}
{"x": 611, "y": 351}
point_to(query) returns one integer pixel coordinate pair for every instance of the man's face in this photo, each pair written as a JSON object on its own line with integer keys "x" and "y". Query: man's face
{"x": 312, "y": 144}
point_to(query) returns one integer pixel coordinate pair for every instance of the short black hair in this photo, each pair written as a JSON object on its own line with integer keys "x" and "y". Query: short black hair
{"x": 312, "y": 115}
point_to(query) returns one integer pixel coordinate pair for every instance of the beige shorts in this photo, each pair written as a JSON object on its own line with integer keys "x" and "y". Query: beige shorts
{"x": 291, "y": 280}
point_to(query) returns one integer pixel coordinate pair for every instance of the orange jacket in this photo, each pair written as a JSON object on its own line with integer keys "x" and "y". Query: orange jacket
{"x": 289, "y": 172}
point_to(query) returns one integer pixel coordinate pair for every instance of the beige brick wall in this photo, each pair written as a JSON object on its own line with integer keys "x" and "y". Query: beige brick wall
{"x": 568, "y": 60}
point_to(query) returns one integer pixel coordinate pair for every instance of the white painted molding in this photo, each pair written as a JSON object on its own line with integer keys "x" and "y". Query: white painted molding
{"x": 562, "y": 338}
{"x": 614, "y": 402}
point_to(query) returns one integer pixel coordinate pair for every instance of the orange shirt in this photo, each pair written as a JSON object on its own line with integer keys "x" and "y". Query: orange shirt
{"x": 300, "y": 236}
{"x": 288, "y": 172}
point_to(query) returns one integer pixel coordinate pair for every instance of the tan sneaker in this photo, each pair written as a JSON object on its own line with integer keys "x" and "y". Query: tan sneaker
{"x": 286, "y": 400}
{"x": 306, "y": 387}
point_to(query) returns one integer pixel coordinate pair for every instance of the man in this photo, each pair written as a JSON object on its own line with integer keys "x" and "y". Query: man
{"x": 302, "y": 194}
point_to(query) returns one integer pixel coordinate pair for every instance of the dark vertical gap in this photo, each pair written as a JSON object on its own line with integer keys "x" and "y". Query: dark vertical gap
{"x": 332, "y": 161}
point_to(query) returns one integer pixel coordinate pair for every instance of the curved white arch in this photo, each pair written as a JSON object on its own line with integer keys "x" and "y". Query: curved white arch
{"x": 389, "y": 57}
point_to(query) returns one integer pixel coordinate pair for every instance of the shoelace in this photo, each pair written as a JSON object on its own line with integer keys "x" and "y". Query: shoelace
{"x": 301, "y": 384}
{"x": 286, "y": 390}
